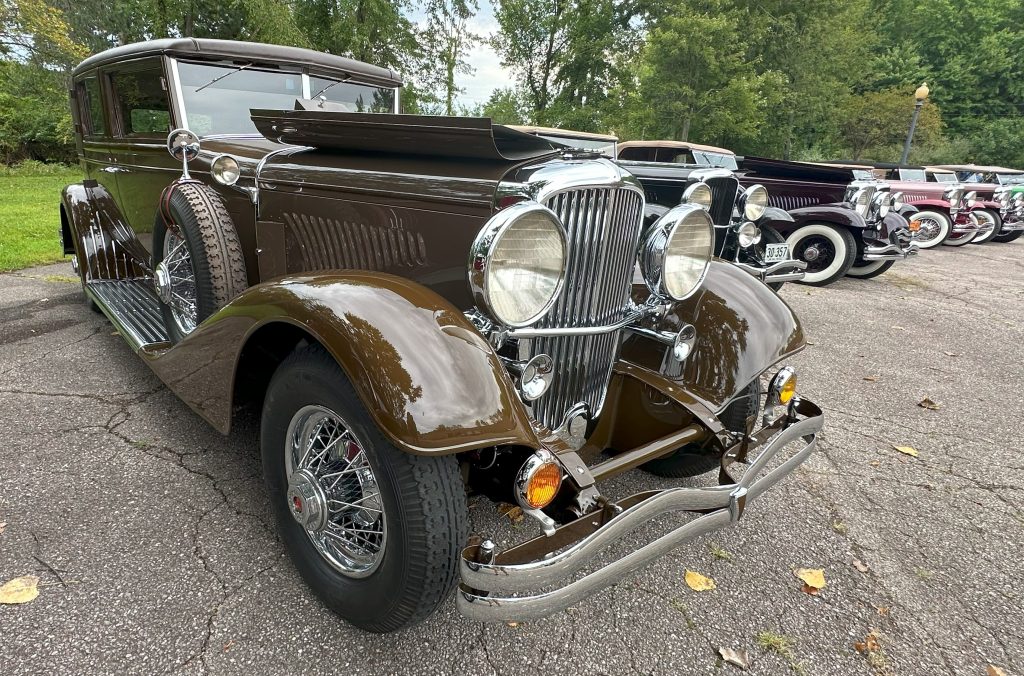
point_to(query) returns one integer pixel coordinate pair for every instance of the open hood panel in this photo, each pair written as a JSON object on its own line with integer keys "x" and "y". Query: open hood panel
{"x": 474, "y": 138}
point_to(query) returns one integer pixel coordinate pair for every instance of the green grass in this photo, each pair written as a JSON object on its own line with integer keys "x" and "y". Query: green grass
{"x": 30, "y": 213}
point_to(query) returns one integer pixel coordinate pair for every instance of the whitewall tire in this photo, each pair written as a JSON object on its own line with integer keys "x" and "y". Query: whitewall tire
{"x": 935, "y": 228}
{"x": 829, "y": 251}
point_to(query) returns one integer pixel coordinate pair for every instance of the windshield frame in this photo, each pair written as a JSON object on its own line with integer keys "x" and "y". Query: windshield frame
{"x": 911, "y": 175}
{"x": 178, "y": 103}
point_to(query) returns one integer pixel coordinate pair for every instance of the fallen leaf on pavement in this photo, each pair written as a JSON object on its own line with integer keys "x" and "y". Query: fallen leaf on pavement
{"x": 514, "y": 513}
{"x": 860, "y": 565}
{"x": 882, "y": 610}
{"x": 737, "y": 658}
{"x": 871, "y": 379}
{"x": 512, "y": 624}
{"x": 928, "y": 404}
{"x": 995, "y": 671}
{"x": 870, "y": 643}
{"x": 875, "y": 463}
{"x": 3, "y": 524}
{"x": 813, "y": 578}
{"x": 907, "y": 450}
{"x": 698, "y": 582}
{"x": 951, "y": 354}
{"x": 20, "y": 589}
{"x": 899, "y": 328}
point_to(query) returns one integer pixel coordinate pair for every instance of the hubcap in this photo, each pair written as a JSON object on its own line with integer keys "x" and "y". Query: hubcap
{"x": 175, "y": 282}
{"x": 811, "y": 253}
{"x": 333, "y": 493}
{"x": 817, "y": 251}
{"x": 929, "y": 229}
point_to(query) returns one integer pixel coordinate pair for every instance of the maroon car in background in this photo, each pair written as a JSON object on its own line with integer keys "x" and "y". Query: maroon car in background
{"x": 990, "y": 219}
{"x": 949, "y": 213}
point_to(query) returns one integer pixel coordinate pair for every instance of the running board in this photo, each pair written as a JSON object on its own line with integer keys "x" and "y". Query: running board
{"x": 133, "y": 308}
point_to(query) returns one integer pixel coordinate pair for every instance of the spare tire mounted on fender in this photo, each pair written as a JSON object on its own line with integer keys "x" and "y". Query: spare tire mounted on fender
{"x": 199, "y": 263}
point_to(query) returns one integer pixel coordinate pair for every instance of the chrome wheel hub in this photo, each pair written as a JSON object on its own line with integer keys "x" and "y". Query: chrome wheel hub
{"x": 175, "y": 281}
{"x": 333, "y": 493}
{"x": 812, "y": 253}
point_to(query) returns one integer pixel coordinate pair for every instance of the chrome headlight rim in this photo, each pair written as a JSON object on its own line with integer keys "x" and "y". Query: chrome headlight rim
{"x": 657, "y": 242}
{"x": 748, "y": 234}
{"x": 882, "y": 203}
{"x": 698, "y": 194}
{"x": 897, "y": 200}
{"x": 225, "y": 169}
{"x": 752, "y": 211}
{"x": 971, "y": 198}
{"x": 481, "y": 260}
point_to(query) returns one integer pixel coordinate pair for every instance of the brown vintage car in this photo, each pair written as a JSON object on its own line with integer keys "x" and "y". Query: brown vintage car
{"x": 422, "y": 307}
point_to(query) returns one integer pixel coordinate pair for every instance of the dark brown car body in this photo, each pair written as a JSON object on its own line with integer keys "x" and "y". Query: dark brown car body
{"x": 356, "y": 231}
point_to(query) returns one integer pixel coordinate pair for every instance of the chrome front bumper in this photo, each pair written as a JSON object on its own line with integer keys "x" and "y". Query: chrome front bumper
{"x": 890, "y": 252}
{"x": 506, "y": 586}
{"x": 1012, "y": 225}
{"x": 772, "y": 273}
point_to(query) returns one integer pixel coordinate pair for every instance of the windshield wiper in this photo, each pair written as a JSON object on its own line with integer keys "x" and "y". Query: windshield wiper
{"x": 345, "y": 81}
{"x": 221, "y": 77}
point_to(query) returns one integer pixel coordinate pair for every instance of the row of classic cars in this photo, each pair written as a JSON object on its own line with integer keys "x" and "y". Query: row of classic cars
{"x": 424, "y": 308}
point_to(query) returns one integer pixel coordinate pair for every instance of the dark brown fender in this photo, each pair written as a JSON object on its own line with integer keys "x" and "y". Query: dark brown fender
{"x": 107, "y": 248}
{"x": 428, "y": 378}
{"x": 743, "y": 328}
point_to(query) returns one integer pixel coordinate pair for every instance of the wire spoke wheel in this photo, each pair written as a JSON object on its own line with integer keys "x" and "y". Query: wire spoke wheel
{"x": 818, "y": 252}
{"x": 176, "y": 282}
{"x": 333, "y": 493}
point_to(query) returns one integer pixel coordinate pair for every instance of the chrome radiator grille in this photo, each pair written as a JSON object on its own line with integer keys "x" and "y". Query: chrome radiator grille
{"x": 603, "y": 229}
{"x": 723, "y": 197}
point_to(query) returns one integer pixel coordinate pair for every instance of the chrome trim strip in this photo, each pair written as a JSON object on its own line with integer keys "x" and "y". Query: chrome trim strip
{"x": 631, "y": 318}
{"x": 179, "y": 98}
{"x": 727, "y": 501}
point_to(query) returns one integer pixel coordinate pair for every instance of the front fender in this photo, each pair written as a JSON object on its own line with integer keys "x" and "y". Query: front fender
{"x": 773, "y": 214}
{"x": 908, "y": 210}
{"x": 987, "y": 205}
{"x": 743, "y": 328}
{"x": 428, "y": 378}
{"x": 828, "y": 213}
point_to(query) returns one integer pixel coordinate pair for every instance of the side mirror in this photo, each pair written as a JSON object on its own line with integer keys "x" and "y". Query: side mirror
{"x": 183, "y": 145}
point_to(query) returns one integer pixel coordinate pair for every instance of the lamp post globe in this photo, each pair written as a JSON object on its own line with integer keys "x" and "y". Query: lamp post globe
{"x": 920, "y": 94}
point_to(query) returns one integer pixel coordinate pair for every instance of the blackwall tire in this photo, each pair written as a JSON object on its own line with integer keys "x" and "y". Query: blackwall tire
{"x": 990, "y": 217}
{"x": 424, "y": 517}
{"x": 837, "y": 242}
{"x": 212, "y": 252}
{"x": 692, "y": 460}
{"x": 1009, "y": 236}
{"x": 935, "y": 227}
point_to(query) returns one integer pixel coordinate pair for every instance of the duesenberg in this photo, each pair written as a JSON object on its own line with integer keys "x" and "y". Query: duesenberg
{"x": 421, "y": 307}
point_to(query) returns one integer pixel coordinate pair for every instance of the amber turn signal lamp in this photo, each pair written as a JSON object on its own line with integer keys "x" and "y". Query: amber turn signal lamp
{"x": 538, "y": 480}
{"x": 787, "y": 390}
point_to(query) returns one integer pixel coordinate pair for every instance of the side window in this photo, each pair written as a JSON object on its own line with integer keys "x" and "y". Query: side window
{"x": 142, "y": 102}
{"x": 91, "y": 105}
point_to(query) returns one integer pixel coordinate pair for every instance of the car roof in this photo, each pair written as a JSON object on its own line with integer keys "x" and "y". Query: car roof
{"x": 682, "y": 145}
{"x": 565, "y": 133}
{"x": 204, "y": 48}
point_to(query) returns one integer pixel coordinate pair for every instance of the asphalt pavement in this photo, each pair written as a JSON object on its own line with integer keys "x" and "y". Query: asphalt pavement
{"x": 156, "y": 551}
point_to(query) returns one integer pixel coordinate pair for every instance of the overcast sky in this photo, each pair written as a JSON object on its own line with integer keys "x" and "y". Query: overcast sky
{"x": 488, "y": 73}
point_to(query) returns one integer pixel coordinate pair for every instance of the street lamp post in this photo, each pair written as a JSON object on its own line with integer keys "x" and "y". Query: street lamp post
{"x": 919, "y": 97}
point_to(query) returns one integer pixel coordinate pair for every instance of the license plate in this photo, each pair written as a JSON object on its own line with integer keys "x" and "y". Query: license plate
{"x": 776, "y": 253}
{"x": 915, "y": 226}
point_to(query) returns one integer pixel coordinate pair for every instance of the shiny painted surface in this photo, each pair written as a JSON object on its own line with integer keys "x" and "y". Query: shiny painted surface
{"x": 743, "y": 328}
{"x": 428, "y": 378}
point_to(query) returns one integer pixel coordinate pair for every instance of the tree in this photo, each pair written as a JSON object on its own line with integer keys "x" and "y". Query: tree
{"x": 505, "y": 107}
{"x": 879, "y": 120}
{"x": 447, "y": 41}
{"x": 374, "y": 31}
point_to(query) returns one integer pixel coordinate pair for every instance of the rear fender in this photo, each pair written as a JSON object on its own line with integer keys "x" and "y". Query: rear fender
{"x": 431, "y": 382}
{"x": 106, "y": 247}
{"x": 743, "y": 329}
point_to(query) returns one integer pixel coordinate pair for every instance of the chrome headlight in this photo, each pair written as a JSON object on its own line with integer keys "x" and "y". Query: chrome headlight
{"x": 883, "y": 202}
{"x": 748, "y": 234}
{"x": 225, "y": 170}
{"x": 677, "y": 251}
{"x": 953, "y": 195}
{"x": 971, "y": 198}
{"x": 861, "y": 202}
{"x": 699, "y": 194}
{"x": 1002, "y": 195}
{"x": 517, "y": 264}
{"x": 753, "y": 202}
{"x": 897, "y": 200}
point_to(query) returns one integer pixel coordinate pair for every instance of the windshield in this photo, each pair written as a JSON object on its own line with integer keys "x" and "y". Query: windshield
{"x": 863, "y": 174}
{"x": 1010, "y": 179}
{"x": 222, "y": 106}
{"x": 710, "y": 159}
{"x": 606, "y": 148}
{"x": 913, "y": 175}
{"x": 944, "y": 178}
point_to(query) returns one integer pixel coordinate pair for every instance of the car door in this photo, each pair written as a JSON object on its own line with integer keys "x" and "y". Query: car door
{"x": 95, "y": 129}
{"x": 142, "y": 120}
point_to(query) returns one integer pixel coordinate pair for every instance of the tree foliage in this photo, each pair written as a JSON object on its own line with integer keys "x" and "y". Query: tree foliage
{"x": 811, "y": 79}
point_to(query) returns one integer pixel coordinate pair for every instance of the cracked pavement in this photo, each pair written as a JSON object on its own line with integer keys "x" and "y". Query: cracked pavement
{"x": 157, "y": 551}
